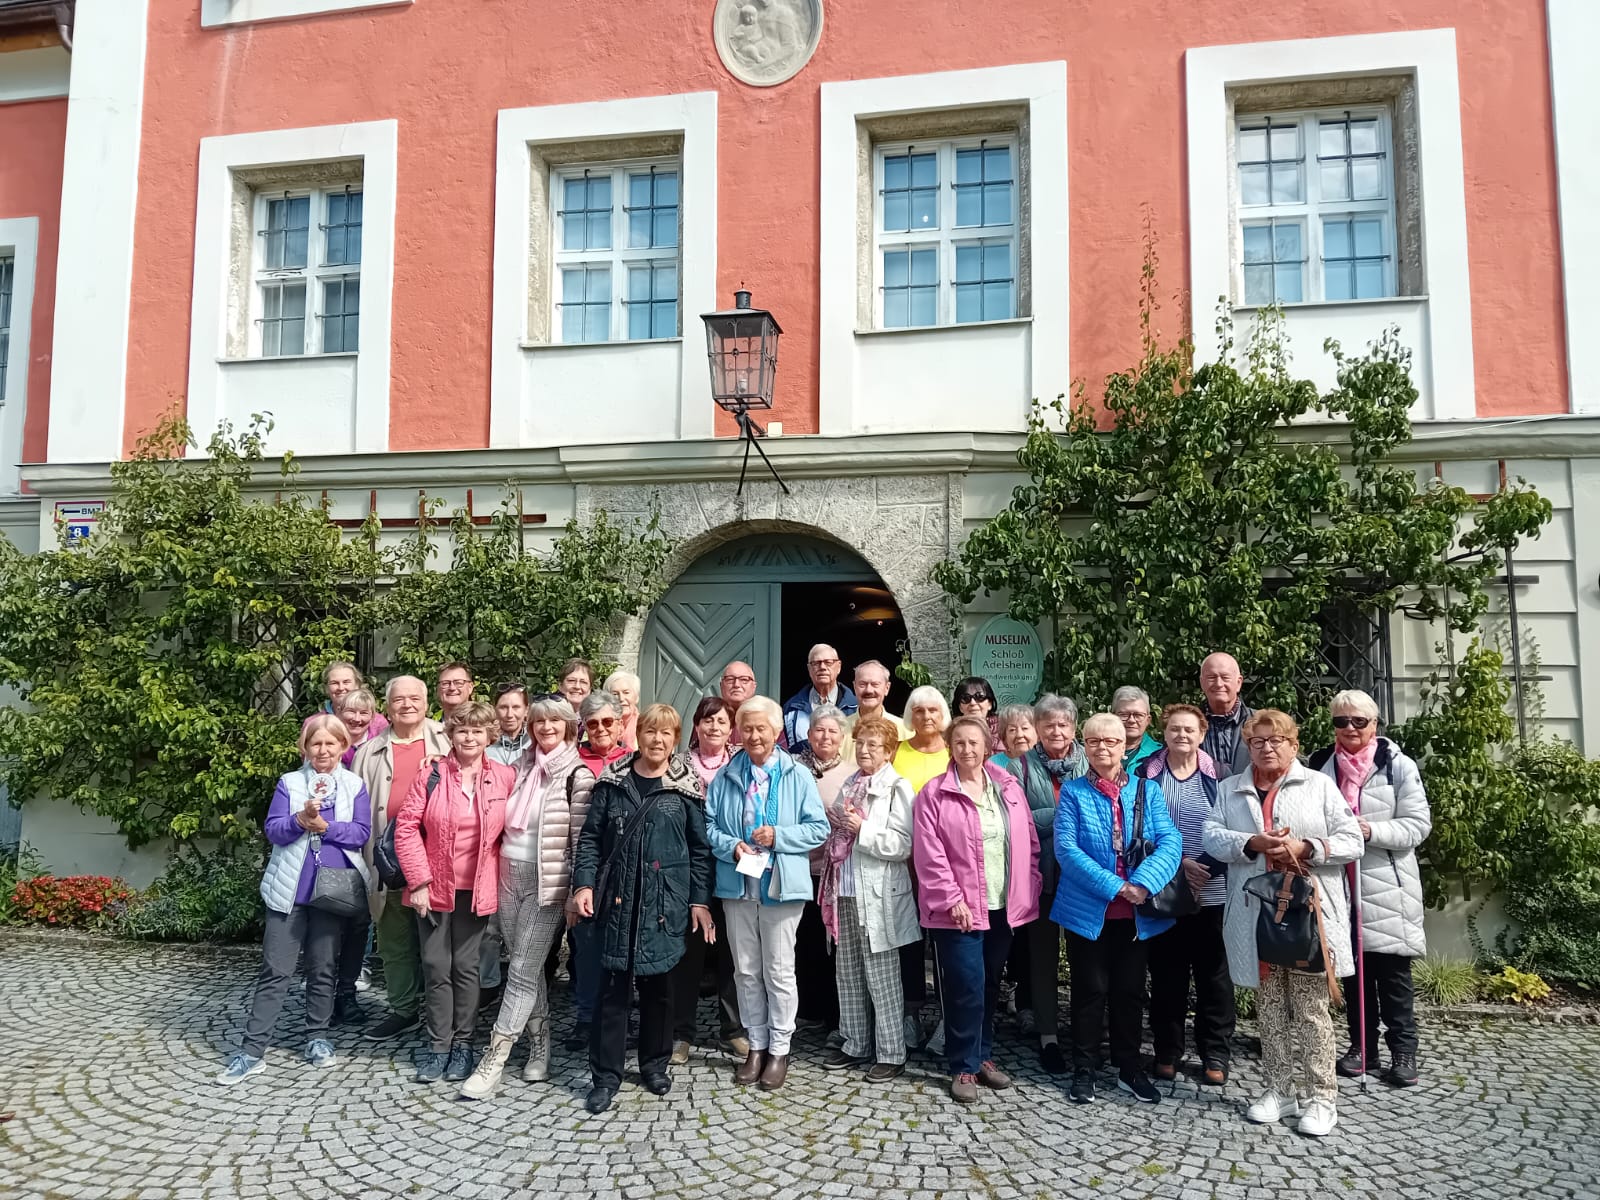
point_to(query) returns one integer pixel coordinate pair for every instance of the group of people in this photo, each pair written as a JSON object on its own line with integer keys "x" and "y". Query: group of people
{"x": 811, "y": 854}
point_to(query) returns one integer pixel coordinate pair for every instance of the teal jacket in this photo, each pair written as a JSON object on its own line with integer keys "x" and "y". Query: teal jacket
{"x": 794, "y": 810}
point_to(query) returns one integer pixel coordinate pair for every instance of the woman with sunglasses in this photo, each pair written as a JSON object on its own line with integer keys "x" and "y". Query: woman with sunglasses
{"x": 600, "y": 729}
{"x": 974, "y": 697}
{"x": 1384, "y": 790}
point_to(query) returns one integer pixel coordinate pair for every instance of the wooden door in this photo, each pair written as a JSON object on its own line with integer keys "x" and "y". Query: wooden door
{"x": 699, "y": 628}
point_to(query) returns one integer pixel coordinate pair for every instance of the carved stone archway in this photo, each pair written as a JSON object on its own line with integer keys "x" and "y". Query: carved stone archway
{"x": 900, "y": 524}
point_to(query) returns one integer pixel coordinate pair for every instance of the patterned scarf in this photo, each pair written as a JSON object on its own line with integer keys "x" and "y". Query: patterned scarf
{"x": 760, "y": 782}
{"x": 1057, "y": 768}
{"x": 1353, "y": 771}
{"x": 841, "y": 841}
{"x": 1111, "y": 789}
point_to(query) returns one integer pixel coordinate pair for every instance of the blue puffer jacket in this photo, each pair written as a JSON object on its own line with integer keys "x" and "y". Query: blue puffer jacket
{"x": 1089, "y": 880}
{"x": 794, "y": 810}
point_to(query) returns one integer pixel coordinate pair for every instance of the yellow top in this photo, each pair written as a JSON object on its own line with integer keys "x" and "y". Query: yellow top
{"x": 916, "y": 768}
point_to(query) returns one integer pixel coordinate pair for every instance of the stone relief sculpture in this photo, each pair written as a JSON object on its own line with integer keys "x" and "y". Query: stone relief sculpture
{"x": 765, "y": 42}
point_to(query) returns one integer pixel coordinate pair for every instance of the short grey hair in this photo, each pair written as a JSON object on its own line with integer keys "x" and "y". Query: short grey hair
{"x": 928, "y": 694}
{"x": 388, "y": 688}
{"x": 617, "y": 678}
{"x": 875, "y": 665}
{"x": 1012, "y": 713}
{"x": 1109, "y": 723}
{"x": 1128, "y": 692}
{"x": 555, "y": 708}
{"x": 764, "y": 706}
{"x": 830, "y": 712}
{"x": 1051, "y": 705}
{"x": 596, "y": 702}
{"x": 1353, "y": 700}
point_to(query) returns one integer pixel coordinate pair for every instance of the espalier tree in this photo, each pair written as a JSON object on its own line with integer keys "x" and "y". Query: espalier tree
{"x": 162, "y": 665}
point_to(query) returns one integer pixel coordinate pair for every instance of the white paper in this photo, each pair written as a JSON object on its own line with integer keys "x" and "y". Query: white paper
{"x": 753, "y": 865}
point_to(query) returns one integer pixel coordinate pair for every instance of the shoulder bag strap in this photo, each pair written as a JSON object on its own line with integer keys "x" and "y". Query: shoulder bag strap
{"x": 1138, "y": 813}
{"x": 1329, "y": 973}
{"x": 628, "y": 830}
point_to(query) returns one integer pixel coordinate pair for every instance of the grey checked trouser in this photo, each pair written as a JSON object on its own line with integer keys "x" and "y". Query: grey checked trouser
{"x": 529, "y": 929}
{"x": 870, "y": 1006}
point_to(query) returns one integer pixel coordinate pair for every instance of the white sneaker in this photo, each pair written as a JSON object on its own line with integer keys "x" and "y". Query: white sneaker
{"x": 1319, "y": 1120}
{"x": 1272, "y": 1107}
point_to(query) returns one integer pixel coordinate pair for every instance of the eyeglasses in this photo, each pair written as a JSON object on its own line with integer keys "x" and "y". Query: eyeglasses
{"x": 1115, "y": 742}
{"x": 453, "y": 685}
{"x": 1351, "y": 722}
{"x": 823, "y": 662}
{"x": 1269, "y": 743}
{"x": 738, "y": 679}
{"x": 600, "y": 722}
{"x": 1125, "y": 717}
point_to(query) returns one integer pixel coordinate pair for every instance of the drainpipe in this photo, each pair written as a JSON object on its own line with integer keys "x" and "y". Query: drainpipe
{"x": 64, "y": 26}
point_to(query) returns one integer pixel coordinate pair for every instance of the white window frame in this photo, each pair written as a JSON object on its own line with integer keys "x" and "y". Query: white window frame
{"x": 620, "y": 257}
{"x": 240, "y": 12}
{"x": 947, "y": 237}
{"x": 1311, "y": 211}
{"x": 19, "y": 241}
{"x": 315, "y": 274}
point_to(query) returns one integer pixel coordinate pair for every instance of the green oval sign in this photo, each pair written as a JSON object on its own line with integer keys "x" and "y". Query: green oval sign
{"x": 1010, "y": 656}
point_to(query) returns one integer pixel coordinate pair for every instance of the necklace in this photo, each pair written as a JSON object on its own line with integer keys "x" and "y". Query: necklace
{"x": 721, "y": 761}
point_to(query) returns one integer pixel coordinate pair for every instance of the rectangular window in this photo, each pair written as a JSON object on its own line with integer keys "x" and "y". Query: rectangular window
{"x": 308, "y": 272}
{"x": 945, "y": 232}
{"x": 616, "y": 251}
{"x": 1315, "y": 206}
{"x": 8, "y": 266}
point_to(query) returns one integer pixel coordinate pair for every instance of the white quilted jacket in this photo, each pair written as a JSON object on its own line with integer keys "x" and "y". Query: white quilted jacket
{"x": 1394, "y": 804}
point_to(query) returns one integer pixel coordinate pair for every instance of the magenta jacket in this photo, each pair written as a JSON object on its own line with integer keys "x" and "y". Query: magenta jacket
{"x": 425, "y": 833}
{"x": 947, "y": 851}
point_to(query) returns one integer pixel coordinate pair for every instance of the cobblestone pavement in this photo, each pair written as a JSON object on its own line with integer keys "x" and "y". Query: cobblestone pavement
{"x": 107, "y": 1053}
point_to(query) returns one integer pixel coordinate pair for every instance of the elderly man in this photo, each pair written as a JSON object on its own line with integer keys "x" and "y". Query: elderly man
{"x": 388, "y": 764}
{"x": 822, "y": 664}
{"x": 872, "y": 689}
{"x": 1226, "y": 714}
{"x": 455, "y": 687}
{"x": 737, "y": 685}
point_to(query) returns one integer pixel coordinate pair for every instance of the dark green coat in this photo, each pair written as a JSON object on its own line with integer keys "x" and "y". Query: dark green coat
{"x": 664, "y": 870}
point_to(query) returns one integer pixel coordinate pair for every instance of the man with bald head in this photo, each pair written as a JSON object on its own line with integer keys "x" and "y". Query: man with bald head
{"x": 1220, "y": 680}
{"x": 737, "y": 685}
{"x": 822, "y": 664}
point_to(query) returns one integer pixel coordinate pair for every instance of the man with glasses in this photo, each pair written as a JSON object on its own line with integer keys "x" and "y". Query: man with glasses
{"x": 1132, "y": 707}
{"x": 822, "y": 664}
{"x": 738, "y": 684}
{"x": 455, "y": 687}
{"x": 1226, "y": 714}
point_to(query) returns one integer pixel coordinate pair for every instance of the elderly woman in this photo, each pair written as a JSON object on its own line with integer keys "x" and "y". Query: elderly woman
{"x": 624, "y": 685}
{"x": 358, "y": 711}
{"x": 813, "y": 962}
{"x": 511, "y": 713}
{"x": 1278, "y": 816}
{"x": 1018, "y": 735}
{"x": 447, "y": 838}
{"x": 543, "y": 819}
{"x": 576, "y": 680}
{"x": 1053, "y": 761}
{"x": 710, "y": 738}
{"x": 974, "y": 697}
{"x": 600, "y": 725}
{"x": 764, "y": 817}
{"x": 868, "y": 907}
{"x": 1132, "y": 707}
{"x": 339, "y": 679}
{"x": 976, "y": 854}
{"x": 1384, "y": 790}
{"x": 1192, "y": 948}
{"x": 318, "y": 820}
{"x": 926, "y": 754}
{"x": 1097, "y": 902}
{"x": 644, "y": 850}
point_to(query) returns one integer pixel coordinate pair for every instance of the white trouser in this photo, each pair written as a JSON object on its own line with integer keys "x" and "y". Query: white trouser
{"x": 762, "y": 939}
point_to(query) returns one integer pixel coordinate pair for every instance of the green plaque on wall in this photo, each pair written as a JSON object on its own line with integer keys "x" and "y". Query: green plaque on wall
{"x": 1009, "y": 655}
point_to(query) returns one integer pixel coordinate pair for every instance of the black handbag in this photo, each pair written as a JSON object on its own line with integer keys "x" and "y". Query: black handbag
{"x": 340, "y": 891}
{"x": 1288, "y": 924}
{"x": 1177, "y": 899}
{"x": 384, "y": 858}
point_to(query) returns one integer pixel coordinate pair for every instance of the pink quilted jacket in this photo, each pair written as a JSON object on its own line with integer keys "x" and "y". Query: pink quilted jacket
{"x": 425, "y": 833}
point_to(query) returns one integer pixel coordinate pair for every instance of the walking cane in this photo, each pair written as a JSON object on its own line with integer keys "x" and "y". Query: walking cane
{"x": 1361, "y": 974}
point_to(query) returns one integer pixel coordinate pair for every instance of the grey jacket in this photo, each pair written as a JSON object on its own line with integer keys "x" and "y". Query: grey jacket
{"x": 1311, "y": 807}
{"x": 374, "y": 762}
{"x": 1394, "y": 804}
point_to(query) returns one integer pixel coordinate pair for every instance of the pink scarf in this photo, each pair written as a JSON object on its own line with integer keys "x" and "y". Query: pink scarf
{"x": 526, "y": 798}
{"x": 1353, "y": 771}
{"x": 841, "y": 841}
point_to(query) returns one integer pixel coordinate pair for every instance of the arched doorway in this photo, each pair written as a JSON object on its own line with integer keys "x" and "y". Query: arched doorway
{"x": 766, "y": 600}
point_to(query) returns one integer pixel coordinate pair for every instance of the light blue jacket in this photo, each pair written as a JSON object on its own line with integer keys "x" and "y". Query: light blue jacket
{"x": 794, "y": 810}
{"x": 1089, "y": 880}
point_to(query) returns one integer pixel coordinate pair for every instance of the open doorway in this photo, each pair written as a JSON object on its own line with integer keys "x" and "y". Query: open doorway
{"x": 859, "y": 620}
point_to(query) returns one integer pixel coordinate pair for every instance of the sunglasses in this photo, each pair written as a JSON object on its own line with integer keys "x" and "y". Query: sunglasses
{"x": 600, "y": 722}
{"x": 1351, "y": 722}
{"x": 971, "y": 697}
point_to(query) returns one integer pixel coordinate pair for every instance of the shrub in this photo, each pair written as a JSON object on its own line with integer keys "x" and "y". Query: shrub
{"x": 17, "y": 862}
{"x": 1446, "y": 981}
{"x": 1519, "y": 987}
{"x": 1244, "y": 1001}
{"x": 85, "y": 901}
{"x": 200, "y": 898}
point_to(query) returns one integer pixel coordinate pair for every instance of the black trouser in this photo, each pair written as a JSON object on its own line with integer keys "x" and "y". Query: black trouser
{"x": 914, "y": 972}
{"x": 608, "y": 1036}
{"x": 1043, "y": 980}
{"x": 1018, "y": 972}
{"x": 353, "y": 953}
{"x": 1109, "y": 968}
{"x": 1389, "y": 998}
{"x": 813, "y": 969}
{"x": 689, "y": 972}
{"x": 1191, "y": 948}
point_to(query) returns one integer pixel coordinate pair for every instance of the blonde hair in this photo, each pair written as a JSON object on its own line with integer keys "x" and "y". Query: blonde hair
{"x": 1106, "y": 723}
{"x": 359, "y": 699}
{"x": 1354, "y": 701}
{"x": 661, "y": 716}
{"x": 474, "y": 714}
{"x": 975, "y": 723}
{"x": 317, "y": 724}
{"x": 1271, "y": 721}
